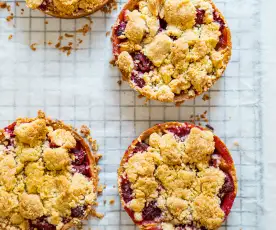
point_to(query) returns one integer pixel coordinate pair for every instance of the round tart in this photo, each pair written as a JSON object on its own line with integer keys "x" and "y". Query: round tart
{"x": 67, "y": 9}
{"x": 177, "y": 176}
{"x": 171, "y": 50}
{"x": 48, "y": 175}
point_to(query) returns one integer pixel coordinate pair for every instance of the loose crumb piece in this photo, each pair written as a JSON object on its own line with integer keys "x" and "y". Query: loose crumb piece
{"x": 50, "y": 43}
{"x": 96, "y": 214}
{"x": 236, "y": 143}
{"x": 206, "y": 97}
{"x": 8, "y": 7}
{"x": 112, "y": 201}
{"x": 119, "y": 82}
{"x": 58, "y": 45}
{"x": 60, "y": 38}
{"x": 107, "y": 33}
{"x": 112, "y": 62}
{"x": 17, "y": 4}
{"x": 79, "y": 41}
{"x": 3, "y": 5}
{"x": 100, "y": 189}
{"x": 46, "y": 22}
{"x": 209, "y": 127}
{"x": 69, "y": 35}
{"x": 84, "y": 30}
{"x": 84, "y": 129}
{"x": 9, "y": 18}
{"x": 22, "y": 11}
{"x": 33, "y": 46}
{"x": 10, "y": 37}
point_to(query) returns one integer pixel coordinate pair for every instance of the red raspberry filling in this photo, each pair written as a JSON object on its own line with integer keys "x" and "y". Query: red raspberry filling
{"x": 199, "y": 16}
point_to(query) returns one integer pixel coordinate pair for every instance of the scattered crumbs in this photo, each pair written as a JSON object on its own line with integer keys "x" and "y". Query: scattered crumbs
{"x": 8, "y": 7}
{"x": 112, "y": 201}
{"x": 10, "y": 37}
{"x": 50, "y": 43}
{"x": 46, "y": 22}
{"x": 236, "y": 143}
{"x": 69, "y": 35}
{"x": 209, "y": 127}
{"x": 206, "y": 97}
{"x": 79, "y": 41}
{"x": 84, "y": 30}
{"x": 9, "y": 18}
{"x": 60, "y": 38}
{"x": 119, "y": 82}
{"x": 33, "y": 46}
{"x": 22, "y": 11}
{"x": 112, "y": 62}
{"x": 107, "y": 33}
{"x": 3, "y": 5}
{"x": 58, "y": 45}
{"x": 17, "y": 4}
{"x": 84, "y": 129}
{"x": 96, "y": 214}
{"x": 100, "y": 189}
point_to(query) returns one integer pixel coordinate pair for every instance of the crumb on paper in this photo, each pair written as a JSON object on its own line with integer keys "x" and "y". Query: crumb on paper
{"x": 96, "y": 214}
{"x": 22, "y": 11}
{"x": 69, "y": 35}
{"x": 112, "y": 201}
{"x": 50, "y": 43}
{"x": 8, "y": 7}
{"x": 46, "y": 22}
{"x": 114, "y": 186}
{"x": 60, "y": 37}
{"x": 209, "y": 127}
{"x": 112, "y": 62}
{"x": 79, "y": 41}
{"x": 206, "y": 97}
{"x": 3, "y": 5}
{"x": 58, "y": 45}
{"x": 84, "y": 129}
{"x": 10, "y": 37}
{"x": 9, "y": 18}
{"x": 107, "y": 33}
{"x": 236, "y": 143}
{"x": 119, "y": 82}
{"x": 33, "y": 46}
{"x": 17, "y": 4}
{"x": 85, "y": 29}
{"x": 100, "y": 189}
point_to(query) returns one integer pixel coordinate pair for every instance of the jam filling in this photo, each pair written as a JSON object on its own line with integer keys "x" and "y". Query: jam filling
{"x": 189, "y": 227}
{"x": 10, "y": 129}
{"x": 121, "y": 28}
{"x": 181, "y": 131}
{"x": 140, "y": 147}
{"x": 41, "y": 224}
{"x": 223, "y": 37}
{"x": 199, "y": 16}
{"x": 163, "y": 24}
{"x": 137, "y": 79}
{"x": 78, "y": 211}
{"x": 142, "y": 63}
{"x": 126, "y": 190}
{"x": 151, "y": 211}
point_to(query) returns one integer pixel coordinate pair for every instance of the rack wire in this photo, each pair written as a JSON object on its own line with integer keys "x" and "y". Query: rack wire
{"x": 82, "y": 89}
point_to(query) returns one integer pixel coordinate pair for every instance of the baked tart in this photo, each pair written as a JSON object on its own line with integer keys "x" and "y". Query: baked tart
{"x": 67, "y": 9}
{"x": 48, "y": 175}
{"x": 177, "y": 176}
{"x": 171, "y": 50}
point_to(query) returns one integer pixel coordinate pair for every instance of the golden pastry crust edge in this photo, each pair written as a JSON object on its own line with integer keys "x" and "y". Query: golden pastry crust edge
{"x": 178, "y": 99}
{"x": 80, "y": 15}
{"x": 160, "y": 127}
{"x": 92, "y": 161}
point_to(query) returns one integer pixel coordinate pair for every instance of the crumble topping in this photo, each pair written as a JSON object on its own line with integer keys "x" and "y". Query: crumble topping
{"x": 65, "y": 7}
{"x": 174, "y": 175}
{"x": 44, "y": 177}
{"x": 171, "y": 48}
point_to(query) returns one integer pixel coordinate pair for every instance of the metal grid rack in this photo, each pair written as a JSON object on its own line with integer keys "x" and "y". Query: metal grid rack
{"x": 83, "y": 89}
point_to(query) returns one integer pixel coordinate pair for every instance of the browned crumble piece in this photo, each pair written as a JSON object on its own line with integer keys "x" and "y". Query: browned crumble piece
{"x": 70, "y": 43}
{"x": 112, "y": 62}
{"x": 119, "y": 82}
{"x": 10, "y": 37}
{"x": 50, "y": 43}
{"x": 100, "y": 189}
{"x": 112, "y": 201}
{"x": 8, "y": 7}
{"x": 58, "y": 45}
{"x": 191, "y": 116}
{"x": 84, "y": 129}
{"x": 33, "y": 46}
{"x": 3, "y": 5}
{"x": 202, "y": 115}
{"x": 206, "y": 97}
{"x": 69, "y": 35}
{"x": 236, "y": 143}
{"x": 107, "y": 33}
{"x": 22, "y": 11}
{"x": 199, "y": 123}
{"x": 46, "y": 22}
{"x": 9, "y": 18}
{"x": 96, "y": 214}
{"x": 80, "y": 41}
{"x": 17, "y": 4}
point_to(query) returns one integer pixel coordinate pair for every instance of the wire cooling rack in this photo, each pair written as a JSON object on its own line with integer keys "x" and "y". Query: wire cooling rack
{"x": 82, "y": 88}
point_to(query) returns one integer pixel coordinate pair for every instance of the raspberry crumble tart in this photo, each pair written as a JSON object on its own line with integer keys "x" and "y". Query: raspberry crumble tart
{"x": 48, "y": 175}
{"x": 177, "y": 176}
{"x": 67, "y": 8}
{"x": 171, "y": 50}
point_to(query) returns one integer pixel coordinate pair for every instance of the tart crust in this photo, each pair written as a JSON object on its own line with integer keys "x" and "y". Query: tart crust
{"x": 91, "y": 159}
{"x": 54, "y": 12}
{"x": 183, "y": 96}
{"x": 226, "y": 164}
